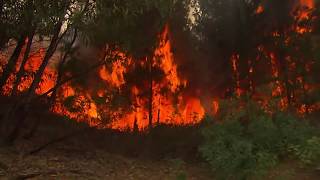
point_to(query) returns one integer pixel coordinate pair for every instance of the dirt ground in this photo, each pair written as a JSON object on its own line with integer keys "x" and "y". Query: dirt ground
{"x": 61, "y": 162}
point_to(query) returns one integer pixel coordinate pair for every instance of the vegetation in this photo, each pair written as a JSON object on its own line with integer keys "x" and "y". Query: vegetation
{"x": 142, "y": 75}
{"x": 247, "y": 142}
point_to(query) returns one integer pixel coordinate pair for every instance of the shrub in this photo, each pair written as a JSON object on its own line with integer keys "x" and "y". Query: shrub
{"x": 249, "y": 143}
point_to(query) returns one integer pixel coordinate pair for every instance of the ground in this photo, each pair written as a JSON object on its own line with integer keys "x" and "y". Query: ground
{"x": 61, "y": 162}
{"x": 80, "y": 152}
{"x": 88, "y": 153}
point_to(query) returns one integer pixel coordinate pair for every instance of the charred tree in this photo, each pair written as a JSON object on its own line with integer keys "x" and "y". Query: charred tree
{"x": 50, "y": 51}
{"x": 150, "y": 92}
{"x": 61, "y": 64}
{"x": 9, "y": 68}
{"x": 285, "y": 75}
{"x": 21, "y": 71}
{"x": 159, "y": 111}
{"x": 19, "y": 111}
{"x": 25, "y": 20}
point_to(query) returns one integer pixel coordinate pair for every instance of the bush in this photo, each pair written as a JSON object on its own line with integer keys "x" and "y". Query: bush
{"x": 248, "y": 143}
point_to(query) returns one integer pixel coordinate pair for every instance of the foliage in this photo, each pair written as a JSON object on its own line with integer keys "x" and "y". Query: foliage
{"x": 248, "y": 144}
{"x": 131, "y": 25}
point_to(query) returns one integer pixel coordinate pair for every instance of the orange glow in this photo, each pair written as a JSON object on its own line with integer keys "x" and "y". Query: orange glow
{"x": 174, "y": 101}
{"x": 188, "y": 110}
{"x": 31, "y": 67}
{"x": 115, "y": 75}
{"x": 167, "y": 60}
{"x": 259, "y": 10}
{"x": 307, "y": 3}
{"x": 235, "y": 60}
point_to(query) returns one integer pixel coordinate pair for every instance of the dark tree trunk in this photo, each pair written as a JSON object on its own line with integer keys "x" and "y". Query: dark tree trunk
{"x": 19, "y": 112}
{"x": 135, "y": 125}
{"x": 21, "y": 71}
{"x": 1, "y": 7}
{"x": 3, "y": 36}
{"x": 285, "y": 74}
{"x": 159, "y": 111}
{"x": 60, "y": 66}
{"x": 50, "y": 51}
{"x": 26, "y": 20}
{"x": 12, "y": 62}
{"x": 150, "y": 93}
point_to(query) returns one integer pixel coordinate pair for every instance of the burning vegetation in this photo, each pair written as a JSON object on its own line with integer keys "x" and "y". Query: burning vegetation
{"x": 129, "y": 92}
{"x": 243, "y": 72}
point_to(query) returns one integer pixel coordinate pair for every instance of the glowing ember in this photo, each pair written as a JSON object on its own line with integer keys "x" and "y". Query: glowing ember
{"x": 259, "y": 10}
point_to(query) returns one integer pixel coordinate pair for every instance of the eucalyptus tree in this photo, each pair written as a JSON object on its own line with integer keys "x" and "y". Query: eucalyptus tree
{"x": 48, "y": 19}
{"x": 17, "y": 19}
{"x": 132, "y": 26}
{"x": 252, "y": 30}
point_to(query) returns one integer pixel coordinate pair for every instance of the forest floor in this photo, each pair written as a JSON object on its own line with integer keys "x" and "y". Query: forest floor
{"x": 168, "y": 153}
{"x": 101, "y": 154}
{"x": 61, "y": 162}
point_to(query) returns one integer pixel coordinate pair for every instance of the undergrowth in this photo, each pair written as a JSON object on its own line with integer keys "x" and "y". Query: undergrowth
{"x": 244, "y": 142}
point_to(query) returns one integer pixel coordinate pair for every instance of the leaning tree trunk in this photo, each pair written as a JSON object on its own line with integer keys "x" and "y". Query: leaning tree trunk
{"x": 61, "y": 64}
{"x": 12, "y": 62}
{"x": 50, "y": 51}
{"x": 21, "y": 71}
{"x": 23, "y": 107}
{"x": 52, "y": 99}
{"x": 25, "y": 20}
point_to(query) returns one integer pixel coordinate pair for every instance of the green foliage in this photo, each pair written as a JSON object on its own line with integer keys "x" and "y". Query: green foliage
{"x": 249, "y": 143}
{"x": 132, "y": 25}
{"x": 308, "y": 152}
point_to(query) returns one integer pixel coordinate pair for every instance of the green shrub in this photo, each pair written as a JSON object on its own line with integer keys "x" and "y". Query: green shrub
{"x": 249, "y": 143}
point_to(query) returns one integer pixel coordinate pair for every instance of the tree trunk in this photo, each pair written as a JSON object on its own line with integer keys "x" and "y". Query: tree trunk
{"x": 12, "y": 62}
{"x": 159, "y": 111}
{"x": 285, "y": 74}
{"x": 3, "y": 35}
{"x": 22, "y": 108}
{"x": 60, "y": 66}
{"x": 150, "y": 93}
{"x": 50, "y": 51}
{"x": 21, "y": 71}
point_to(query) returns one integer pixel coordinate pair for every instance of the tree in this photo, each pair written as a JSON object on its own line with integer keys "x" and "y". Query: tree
{"x": 112, "y": 23}
{"x": 257, "y": 36}
{"x": 24, "y": 19}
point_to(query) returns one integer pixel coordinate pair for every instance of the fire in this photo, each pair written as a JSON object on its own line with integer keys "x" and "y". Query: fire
{"x": 78, "y": 106}
{"x": 168, "y": 99}
{"x": 167, "y": 108}
{"x": 187, "y": 110}
{"x": 307, "y": 3}
{"x": 115, "y": 75}
{"x": 167, "y": 60}
{"x": 234, "y": 62}
{"x": 33, "y": 63}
